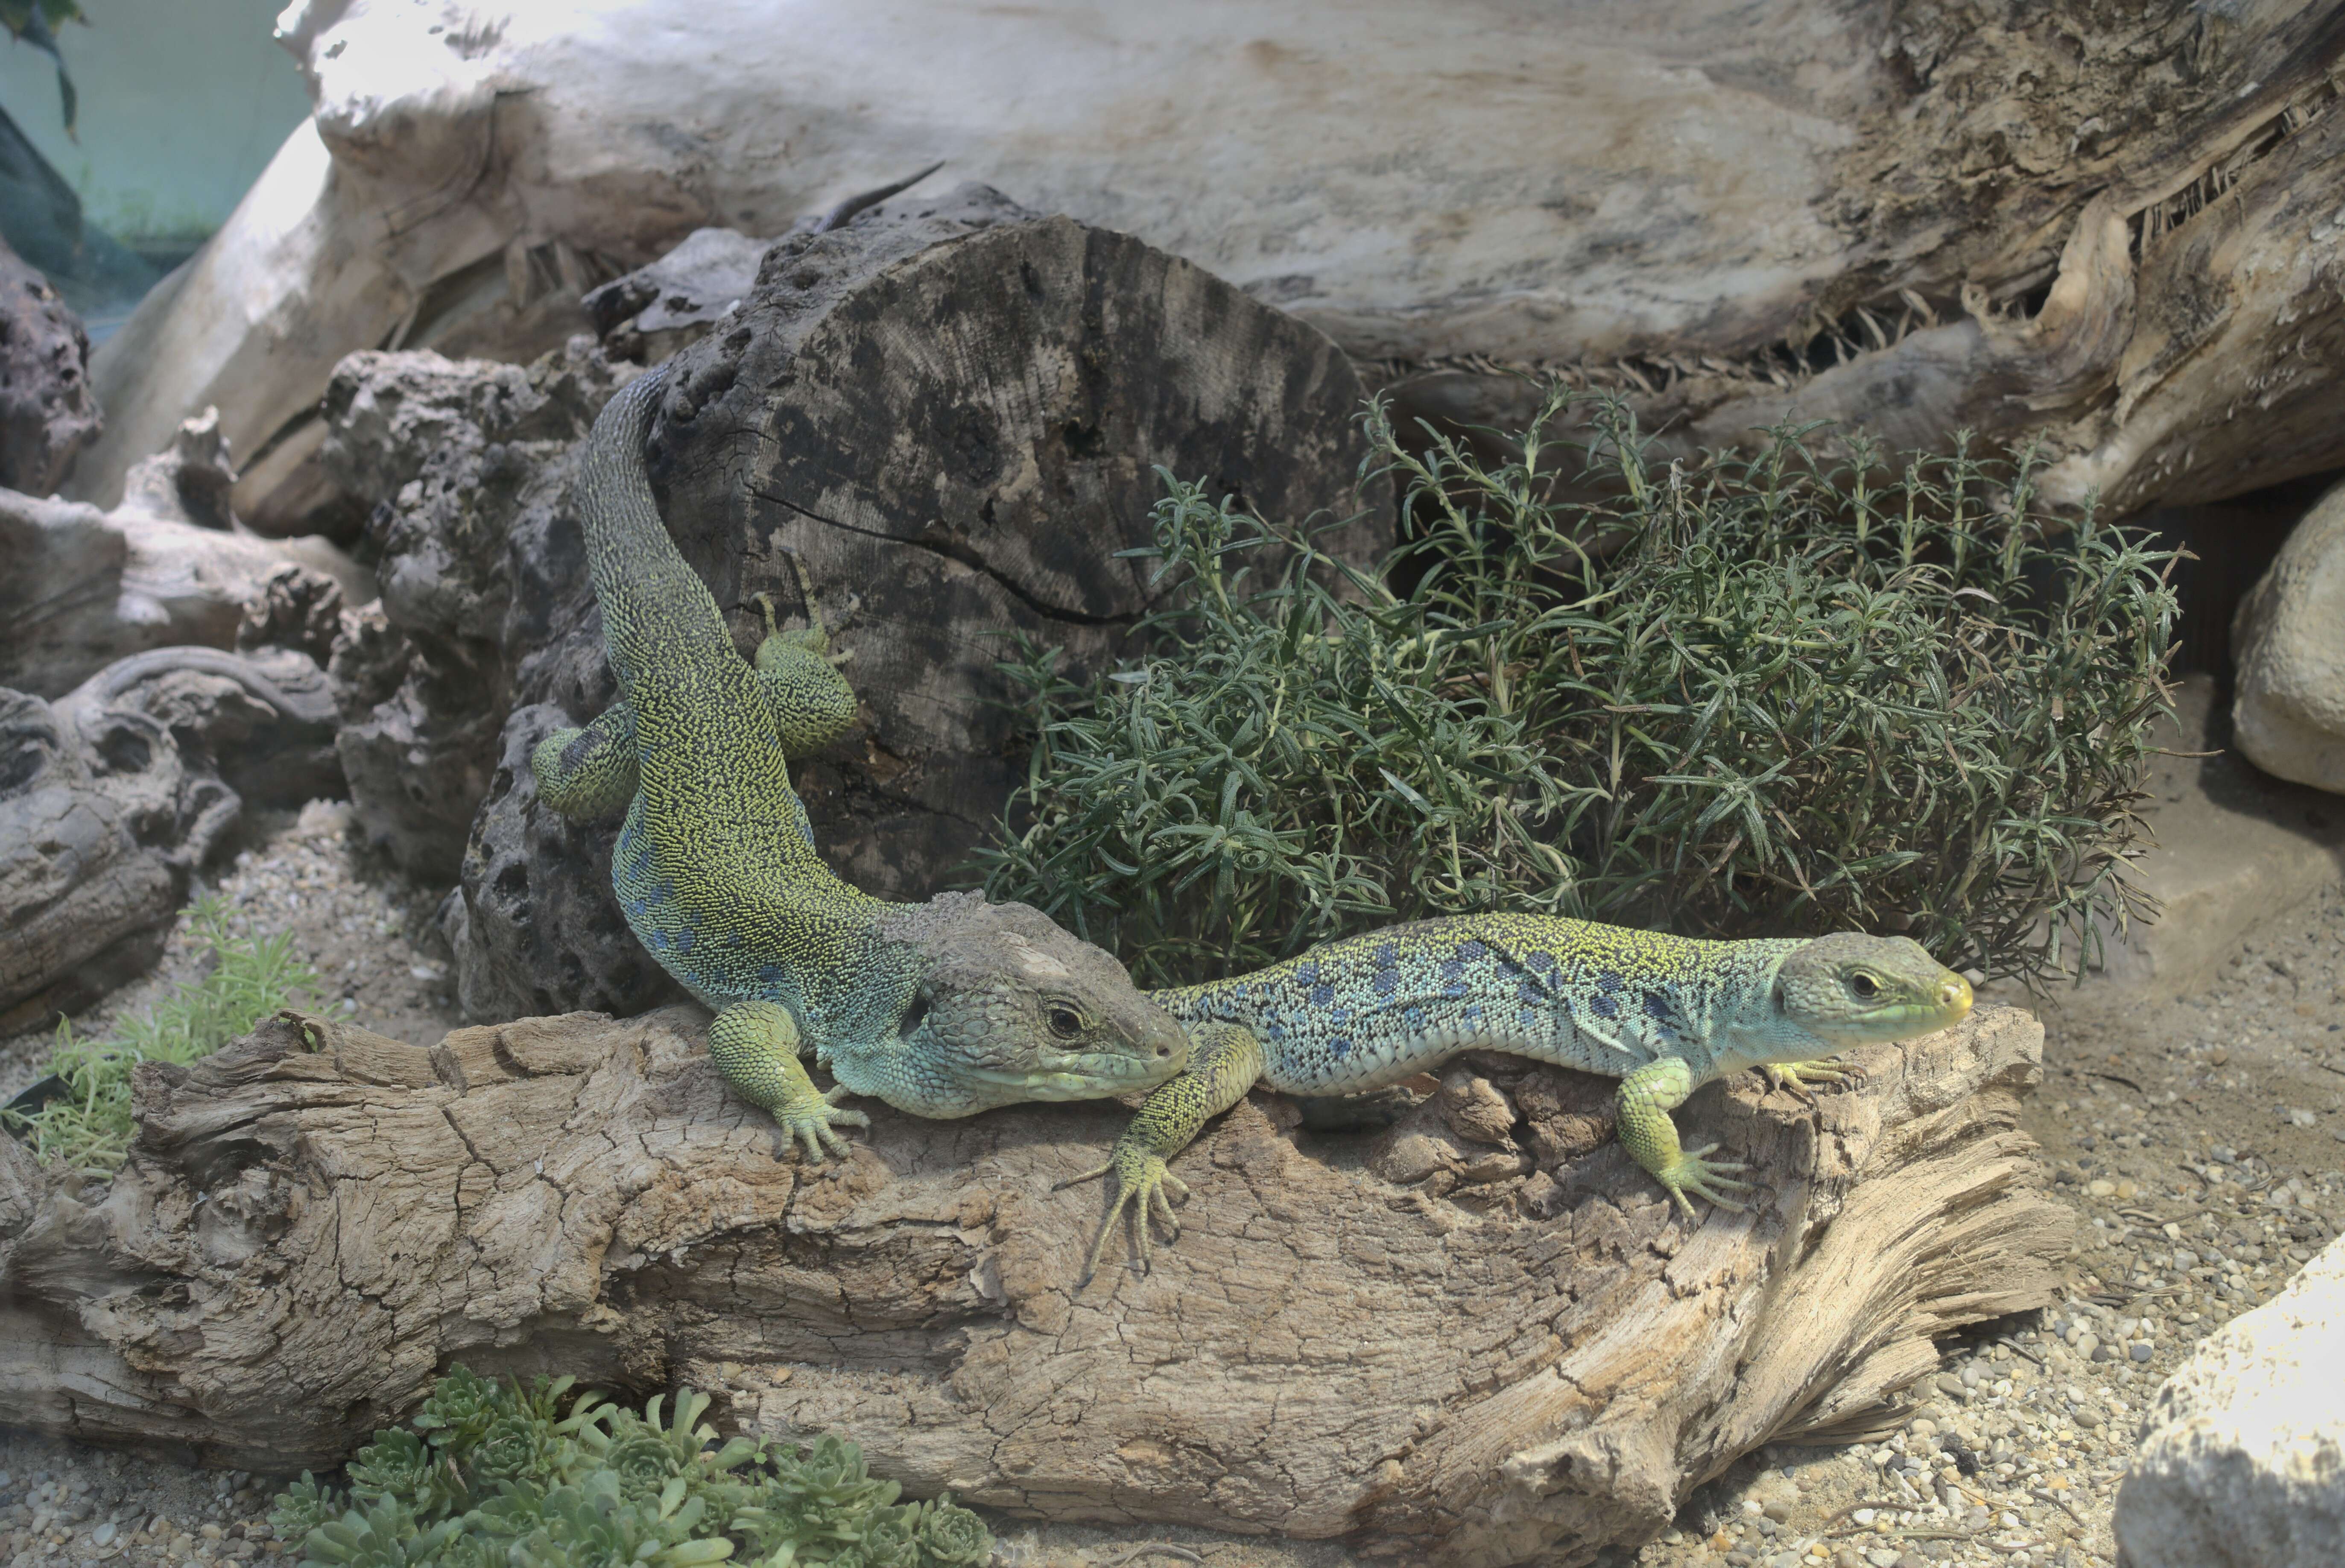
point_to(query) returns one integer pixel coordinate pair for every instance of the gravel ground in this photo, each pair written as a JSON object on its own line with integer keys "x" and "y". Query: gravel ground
{"x": 365, "y": 930}
{"x": 2200, "y": 1140}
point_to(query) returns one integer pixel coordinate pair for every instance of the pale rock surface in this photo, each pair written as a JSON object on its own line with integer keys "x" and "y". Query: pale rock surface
{"x": 2234, "y": 849}
{"x": 2242, "y": 1461}
{"x": 1732, "y": 214}
{"x": 2289, "y": 641}
{"x": 166, "y": 567}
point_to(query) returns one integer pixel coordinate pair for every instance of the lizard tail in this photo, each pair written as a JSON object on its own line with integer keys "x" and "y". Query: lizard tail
{"x": 657, "y": 615}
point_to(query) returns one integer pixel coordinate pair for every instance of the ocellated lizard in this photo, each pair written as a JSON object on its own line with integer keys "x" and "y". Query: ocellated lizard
{"x": 941, "y": 1009}
{"x": 1664, "y": 1014}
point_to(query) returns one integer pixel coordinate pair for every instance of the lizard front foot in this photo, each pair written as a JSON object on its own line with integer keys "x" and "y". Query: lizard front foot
{"x": 1802, "y": 1075}
{"x": 1692, "y": 1172}
{"x": 812, "y": 1123}
{"x": 1143, "y": 1181}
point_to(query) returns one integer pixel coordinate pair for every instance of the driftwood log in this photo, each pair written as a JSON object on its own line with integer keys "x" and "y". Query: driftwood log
{"x": 1479, "y": 1335}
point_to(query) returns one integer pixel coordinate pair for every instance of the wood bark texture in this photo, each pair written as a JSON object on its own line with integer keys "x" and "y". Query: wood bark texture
{"x": 1478, "y": 1337}
{"x": 2108, "y": 231}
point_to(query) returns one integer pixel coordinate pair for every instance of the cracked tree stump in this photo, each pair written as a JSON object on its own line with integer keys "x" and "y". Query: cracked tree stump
{"x": 953, "y": 411}
{"x": 1518, "y": 1352}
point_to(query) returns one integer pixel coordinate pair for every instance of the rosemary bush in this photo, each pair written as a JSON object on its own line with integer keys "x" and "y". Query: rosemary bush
{"x": 497, "y": 1476}
{"x": 1763, "y": 694}
{"x": 89, "y": 1126}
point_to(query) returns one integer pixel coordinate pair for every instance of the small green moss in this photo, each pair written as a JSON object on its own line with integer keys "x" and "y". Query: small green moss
{"x": 499, "y": 1477}
{"x": 90, "y": 1127}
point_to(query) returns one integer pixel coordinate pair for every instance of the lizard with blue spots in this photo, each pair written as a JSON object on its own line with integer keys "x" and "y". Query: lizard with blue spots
{"x": 1664, "y": 1014}
{"x": 942, "y": 1009}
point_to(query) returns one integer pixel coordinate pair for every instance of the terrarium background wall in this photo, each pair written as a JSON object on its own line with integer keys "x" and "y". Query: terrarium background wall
{"x": 183, "y": 103}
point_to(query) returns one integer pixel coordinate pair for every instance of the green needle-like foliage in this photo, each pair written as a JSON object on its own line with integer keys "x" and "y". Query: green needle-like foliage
{"x": 251, "y": 977}
{"x": 1766, "y": 694}
{"x": 500, "y": 1477}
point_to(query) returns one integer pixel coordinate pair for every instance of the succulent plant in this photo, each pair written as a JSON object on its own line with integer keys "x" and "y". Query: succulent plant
{"x": 495, "y": 1475}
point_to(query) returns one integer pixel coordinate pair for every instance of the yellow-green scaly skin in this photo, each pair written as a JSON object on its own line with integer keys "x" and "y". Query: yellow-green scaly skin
{"x": 1664, "y": 1014}
{"x": 943, "y": 1008}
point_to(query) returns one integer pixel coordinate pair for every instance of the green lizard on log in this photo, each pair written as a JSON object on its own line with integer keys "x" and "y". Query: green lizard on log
{"x": 942, "y": 1009}
{"x": 1664, "y": 1014}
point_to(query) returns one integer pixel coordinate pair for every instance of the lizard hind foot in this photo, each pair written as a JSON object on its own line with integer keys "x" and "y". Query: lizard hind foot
{"x": 1141, "y": 1185}
{"x": 1694, "y": 1172}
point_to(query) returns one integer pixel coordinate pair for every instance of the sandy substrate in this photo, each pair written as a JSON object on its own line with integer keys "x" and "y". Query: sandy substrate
{"x": 2199, "y": 1139}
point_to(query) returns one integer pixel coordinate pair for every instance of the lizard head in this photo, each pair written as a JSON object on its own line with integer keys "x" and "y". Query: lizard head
{"x": 1009, "y": 1007}
{"x": 1853, "y": 990}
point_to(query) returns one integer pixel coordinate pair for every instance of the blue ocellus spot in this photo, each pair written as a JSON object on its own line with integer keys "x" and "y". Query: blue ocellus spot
{"x": 1321, "y": 995}
{"x": 1470, "y": 951}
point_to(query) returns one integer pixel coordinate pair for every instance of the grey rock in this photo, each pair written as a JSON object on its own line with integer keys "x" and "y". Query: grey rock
{"x": 2242, "y": 1456}
{"x": 533, "y": 926}
{"x": 47, "y": 408}
{"x": 673, "y": 300}
{"x": 2288, "y": 643}
{"x": 112, "y": 796}
{"x": 2235, "y": 848}
{"x": 466, "y": 465}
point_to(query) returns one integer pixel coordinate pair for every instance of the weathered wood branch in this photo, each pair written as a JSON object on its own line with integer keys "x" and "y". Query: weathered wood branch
{"x": 1518, "y": 1351}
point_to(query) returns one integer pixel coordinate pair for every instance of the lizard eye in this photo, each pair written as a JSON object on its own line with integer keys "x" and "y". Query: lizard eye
{"x": 1865, "y": 987}
{"x": 1064, "y": 1021}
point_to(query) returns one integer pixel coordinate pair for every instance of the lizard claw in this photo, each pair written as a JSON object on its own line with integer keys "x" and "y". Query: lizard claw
{"x": 1797, "y": 1076}
{"x": 1143, "y": 1184}
{"x": 813, "y": 1123}
{"x": 1694, "y": 1173}
{"x": 765, "y": 602}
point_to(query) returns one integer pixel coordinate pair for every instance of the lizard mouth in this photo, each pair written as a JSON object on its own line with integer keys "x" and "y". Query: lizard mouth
{"x": 1085, "y": 1075}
